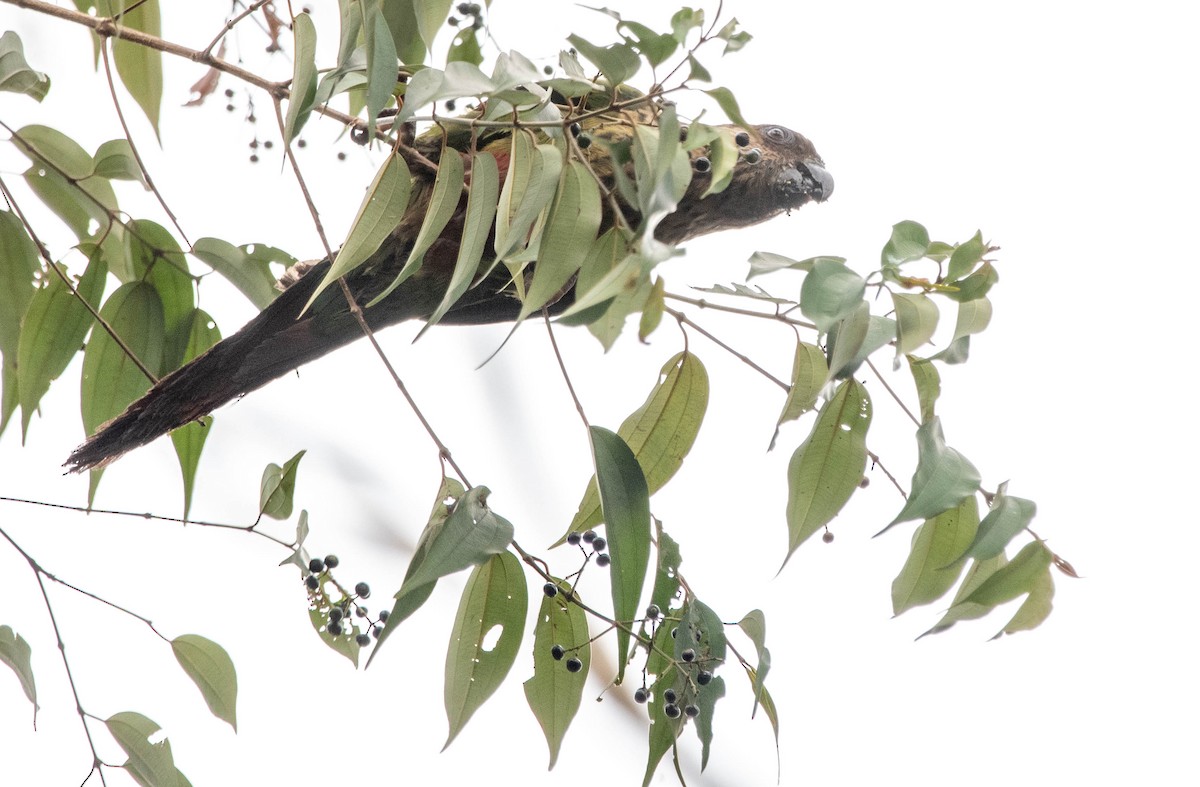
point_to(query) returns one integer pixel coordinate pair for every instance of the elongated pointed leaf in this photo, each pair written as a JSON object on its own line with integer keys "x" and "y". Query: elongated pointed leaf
{"x": 189, "y": 439}
{"x": 571, "y": 228}
{"x": 1036, "y": 606}
{"x": 447, "y": 191}
{"x": 942, "y": 480}
{"x": 481, "y": 211}
{"x": 471, "y": 535}
{"x": 277, "y": 488}
{"x": 554, "y": 693}
{"x": 625, "y": 503}
{"x": 965, "y": 257}
{"x": 1007, "y": 517}
{"x": 16, "y": 653}
{"x": 52, "y": 330}
{"x": 139, "y": 66}
{"x": 304, "y": 76}
{"x": 153, "y": 255}
{"x": 529, "y": 186}
{"x": 936, "y": 560}
{"x": 1015, "y": 579}
{"x": 660, "y": 433}
{"x": 380, "y": 212}
{"x": 810, "y": 371}
{"x": 973, "y": 317}
{"x": 977, "y": 574}
{"x": 19, "y": 264}
{"x": 929, "y": 385}
{"x": 496, "y": 596}
{"x": 827, "y": 468}
{"x": 211, "y": 669}
{"x": 111, "y": 380}
{"x": 381, "y": 65}
{"x": 617, "y": 62}
{"x": 246, "y": 267}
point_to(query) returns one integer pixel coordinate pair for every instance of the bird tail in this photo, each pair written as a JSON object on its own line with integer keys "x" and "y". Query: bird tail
{"x": 272, "y": 344}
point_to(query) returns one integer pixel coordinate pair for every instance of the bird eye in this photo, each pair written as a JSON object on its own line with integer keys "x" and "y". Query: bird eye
{"x": 779, "y": 134}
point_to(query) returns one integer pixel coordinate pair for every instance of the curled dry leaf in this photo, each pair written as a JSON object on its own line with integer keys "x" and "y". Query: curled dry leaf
{"x": 206, "y": 85}
{"x": 1064, "y": 567}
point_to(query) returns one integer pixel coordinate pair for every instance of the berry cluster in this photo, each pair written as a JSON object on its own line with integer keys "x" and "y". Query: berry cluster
{"x": 338, "y": 622}
{"x": 594, "y": 542}
{"x": 694, "y": 672}
{"x": 471, "y": 11}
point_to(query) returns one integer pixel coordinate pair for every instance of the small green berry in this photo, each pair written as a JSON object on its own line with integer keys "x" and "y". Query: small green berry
{"x": 557, "y": 652}
{"x": 574, "y": 664}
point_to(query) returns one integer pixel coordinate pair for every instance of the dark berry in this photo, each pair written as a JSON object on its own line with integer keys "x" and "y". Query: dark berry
{"x": 228, "y": 92}
{"x": 603, "y": 560}
{"x": 674, "y": 633}
{"x": 252, "y": 119}
{"x": 474, "y": 8}
{"x": 230, "y": 107}
{"x": 253, "y": 158}
{"x": 589, "y": 536}
{"x": 361, "y": 612}
{"x": 334, "y": 628}
{"x": 753, "y": 156}
{"x": 254, "y": 144}
{"x": 742, "y": 139}
{"x": 692, "y": 711}
{"x": 452, "y": 21}
{"x": 703, "y": 677}
{"x": 574, "y": 538}
{"x": 557, "y": 652}
{"x": 302, "y": 143}
{"x": 599, "y": 544}
{"x": 688, "y": 655}
{"x": 363, "y": 640}
{"x": 336, "y": 614}
{"x": 702, "y": 164}
{"x": 683, "y": 132}
{"x": 547, "y": 70}
{"x": 477, "y": 23}
{"x": 363, "y": 590}
{"x": 312, "y": 582}
{"x": 268, "y": 144}
{"x": 669, "y": 695}
{"x": 358, "y": 135}
{"x": 671, "y": 710}
{"x": 550, "y": 589}
{"x": 575, "y": 129}
{"x": 376, "y": 631}
{"x": 652, "y": 612}
{"x": 383, "y": 615}
{"x": 341, "y": 156}
{"x": 316, "y": 565}
{"x": 827, "y": 537}
{"x": 864, "y": 483}
{"x": 584, "y": 141}
{"x": 450, "y": 105}
{"x": 640, "y": 696}
{"x": 574, "y": 664}
{"x": 463, "y": 8}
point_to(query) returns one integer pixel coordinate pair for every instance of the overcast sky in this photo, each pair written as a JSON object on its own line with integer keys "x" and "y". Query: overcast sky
{"x": 1065, "y": 132}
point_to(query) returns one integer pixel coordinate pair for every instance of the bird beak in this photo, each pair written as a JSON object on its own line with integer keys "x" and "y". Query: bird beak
{"x": 806, "y": 179}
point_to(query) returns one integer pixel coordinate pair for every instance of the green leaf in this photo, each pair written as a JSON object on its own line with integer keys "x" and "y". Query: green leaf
{"x": 942, "y": 480}
{"x": 52, "y": 331}
{"x": 936, "y": 560}
{"x": 150, "y": 764}
{"x": 528, "y": 188}
{"x": 827, "y": 468}
{"x": 728, "y": 104}
{"x": 763, "y": 262}
{"x": 1036, "y": 606}
{"x": 277, "y": 488}
{"x": 571, "y": 227}
{"x": 684, "y": 21}
{"x": 211, "y": 669}
{"x": 973, "y": 317}
{"x": 189, "y": 439}
{"x": 381, "y": 65}
{"x": 625, "y": 503}
{"x": 430, "y": 84}
{"x": 653, "y": 309}
{"x": 831, "y": 292}
{"x": 965, "y": 257}
{"x": 977, "y": 574}
{"x": 111, "y": 380}
{"x": 153, "y": 255}
{"x": 724, "y": 155}
{"x": 447, "y": 191}
{"x": 380, "y": 212}
{"x": 1007, "y": 517}
{"x": 344, "y": 644}
{"x": 618, "y": 62}
{"x": 929, "y": 385}
{"x": 553, "y": 693}
{"x": 465, "y": 47}
{"x": 977, "y": 285}
{"x": 246, "y": 267}
{"x": 19, "y": 265}
{"x": 696, "y": 70}
{"x": 16, "y": 653}
{"x": 909, "y": 241}
{"x": 654, "y": 46}
{"x": 1015, "y": 579}
{"x": 660, "y": 433}
{"x": 304, "y": 76}
{"x": 63, "y": 154}
{"x": 496, "y": 596}
{"x": 139, "y": 66}
{"x": 481, "y": 211}
{"x": 809, "y": 375}
{"x": 15, "y": 74}
{"x": 916, "y": 320}
{"x": 666, "y": 585}
{"x": 754, "y": 625}
{"x": 115, "y": 159}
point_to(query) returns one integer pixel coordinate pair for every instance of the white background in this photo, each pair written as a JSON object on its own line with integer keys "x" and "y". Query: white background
{"x": 1066, "y": 132}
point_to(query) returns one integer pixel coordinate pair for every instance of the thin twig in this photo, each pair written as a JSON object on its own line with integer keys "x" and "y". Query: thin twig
{"x": 704, "y": 304}
{"x": 876, "y": 463}
{"x": 562, "y": 366}
{"x": 229, "y": 25}
{"x": 683, "y": 319}
{"x": 893, "y": 394}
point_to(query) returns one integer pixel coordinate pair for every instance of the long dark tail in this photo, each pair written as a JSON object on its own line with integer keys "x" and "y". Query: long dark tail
{"x": 274, "y": 343}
